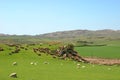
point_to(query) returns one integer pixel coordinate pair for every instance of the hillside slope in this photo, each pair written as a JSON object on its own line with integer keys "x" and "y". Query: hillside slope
{"x": 73, "y": 35}
{"x": 85, "y": 33}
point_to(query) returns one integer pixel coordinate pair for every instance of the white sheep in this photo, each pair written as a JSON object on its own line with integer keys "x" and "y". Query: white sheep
{"x": 83, "y": 66}
{"x": 78, "y": 65}
{"x": 14, "y": 63}
{"x": 35, "y": 63}
{"x": 32, "y": 63}
{"x": 13, "y": 75}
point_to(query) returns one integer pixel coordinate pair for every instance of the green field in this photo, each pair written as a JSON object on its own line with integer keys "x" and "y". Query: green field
{"x": 102, "y": 52}
{"x": 111, "y": 50}
{"x": 55, "y": 69}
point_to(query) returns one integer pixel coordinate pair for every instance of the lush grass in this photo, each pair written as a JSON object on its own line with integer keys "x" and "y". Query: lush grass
{"x": 56, "y": 69}
{"x": 103, "y": 51}
{"x": 112, "y": 50}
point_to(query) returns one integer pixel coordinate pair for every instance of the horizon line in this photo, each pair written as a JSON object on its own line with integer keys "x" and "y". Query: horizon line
{"x": 56, "y": 31}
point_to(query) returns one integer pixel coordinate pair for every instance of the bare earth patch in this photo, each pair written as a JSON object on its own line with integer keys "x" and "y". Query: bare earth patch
{"x": 103, "y": 61}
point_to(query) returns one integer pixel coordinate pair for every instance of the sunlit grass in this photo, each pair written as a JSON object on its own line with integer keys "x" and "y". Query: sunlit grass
{"x": 55, "y": 69}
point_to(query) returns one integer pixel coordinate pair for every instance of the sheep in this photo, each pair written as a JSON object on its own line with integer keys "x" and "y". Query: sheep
{"x": 83, "y": 66}
{"x": 78, "y": 65}
{"x": 13, "y": 75}
{"x": 32, "y": 63}
{"x": 46, "y": 62}
{"x": 14, "y": 63}
{"x": 35, "y": 63}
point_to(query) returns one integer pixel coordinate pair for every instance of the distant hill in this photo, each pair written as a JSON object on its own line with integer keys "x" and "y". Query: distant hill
{"x": 72, "y": 35}
{"x": 83, "y": 33}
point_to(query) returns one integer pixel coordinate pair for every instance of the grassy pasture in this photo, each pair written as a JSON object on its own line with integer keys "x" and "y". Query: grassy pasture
{"x": 103, "y": 51}
{"x": 56, "y": 69}
{"x": 112, "y": 50}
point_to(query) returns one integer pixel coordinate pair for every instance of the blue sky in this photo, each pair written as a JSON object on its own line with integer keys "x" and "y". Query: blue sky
{"x": 44, "y": 16}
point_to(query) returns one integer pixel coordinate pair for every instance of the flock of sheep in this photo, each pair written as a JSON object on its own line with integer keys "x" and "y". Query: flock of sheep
{"x": 62, "y": 52}
{"x": 15, "y": 75}
{"x": 54, "y": 53}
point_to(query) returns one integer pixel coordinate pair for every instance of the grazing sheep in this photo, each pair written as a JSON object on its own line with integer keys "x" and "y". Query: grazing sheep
{"x": 35, "y": 63}
{"x": 14, "y": 63}
{"x": 13, "y": 75}
{"x": 83, "y": 66}
{"x": 78, "y": 65}
{"x": 32, "y": 63}
{"x": 46, "y": 62}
